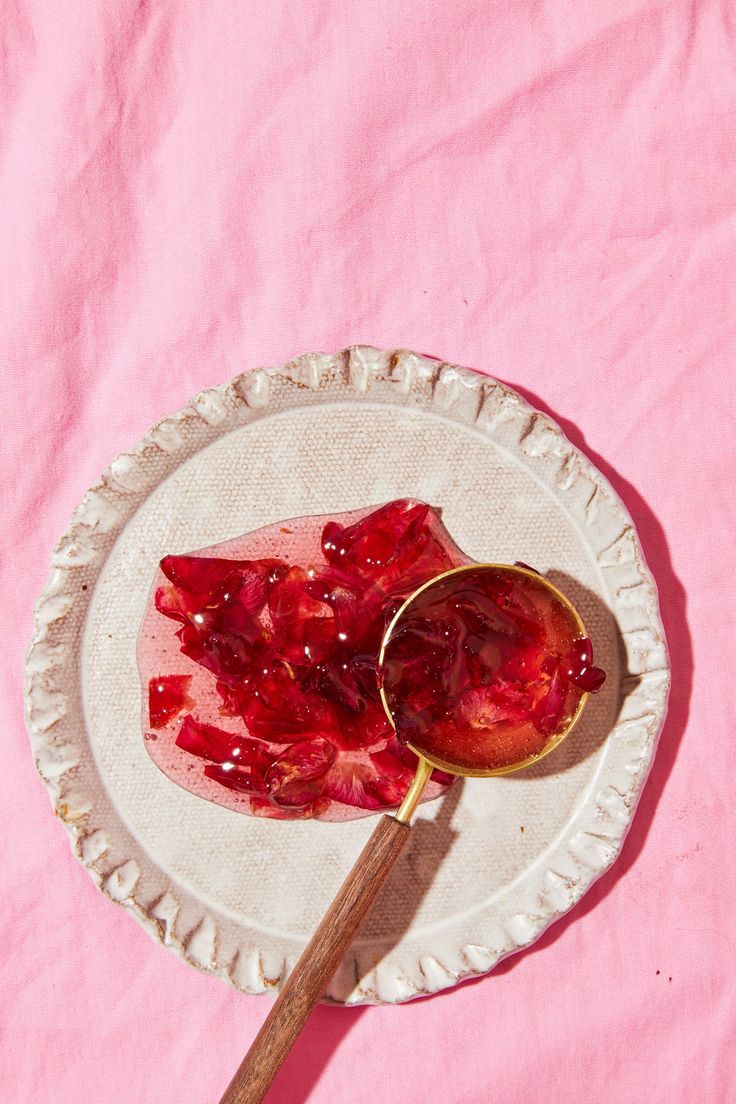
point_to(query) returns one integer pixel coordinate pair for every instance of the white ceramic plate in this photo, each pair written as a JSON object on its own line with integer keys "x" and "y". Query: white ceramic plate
{"x": 489, "y": 866}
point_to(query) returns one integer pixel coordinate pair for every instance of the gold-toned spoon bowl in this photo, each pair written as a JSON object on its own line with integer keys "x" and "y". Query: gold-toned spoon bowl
{"x": 427, "y": 757}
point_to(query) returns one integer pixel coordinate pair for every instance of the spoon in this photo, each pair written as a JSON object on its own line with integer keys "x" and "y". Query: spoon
{"x": 406, "y": 634}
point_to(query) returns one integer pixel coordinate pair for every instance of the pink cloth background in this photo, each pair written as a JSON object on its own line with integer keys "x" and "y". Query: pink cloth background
{"x": 543, "y": 190}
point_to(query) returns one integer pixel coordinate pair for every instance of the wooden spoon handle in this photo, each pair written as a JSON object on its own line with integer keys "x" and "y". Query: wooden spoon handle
{"x": 321, "y": 957}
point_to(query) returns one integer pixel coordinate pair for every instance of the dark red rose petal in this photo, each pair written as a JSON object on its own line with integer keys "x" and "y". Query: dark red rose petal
{"x": 590, "y": 680}
{"x": 580, "y": 669}
{"x": 549, "y": 709}
{"x": 209, "y": 742}
{"x": 393, "y": 545}
{"x": 364, "y": 730}
{"x": 279, "y": 709}
{"x": 230, "y": 657}
{"x": 243, "y": 581}
{"x": 204, "y": 740}
{"x": 295, "y": 778}
{"x": 167, "y": 696}
{"x": 290, "y": 600}
{"x": 242, "y": 781}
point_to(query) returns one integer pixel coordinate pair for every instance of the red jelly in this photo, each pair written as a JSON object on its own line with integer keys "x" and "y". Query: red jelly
{"x": 167, "y": 696}
{"x": 260, "y": 657}
{"x": 267, "y": 648}
{"x": 485, "y": 667}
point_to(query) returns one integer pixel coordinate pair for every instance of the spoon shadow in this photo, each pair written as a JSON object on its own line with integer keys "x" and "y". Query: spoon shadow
{"x": 399, "y": 899}
{"x": 321, "y": 1037}
{"x": 391, "y": 915}
{"x": 600, "y": 713}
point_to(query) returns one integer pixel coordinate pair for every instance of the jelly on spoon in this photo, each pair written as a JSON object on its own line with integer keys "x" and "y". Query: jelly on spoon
{"x": 258, "y": 661}
{"x": 485, "y": 669}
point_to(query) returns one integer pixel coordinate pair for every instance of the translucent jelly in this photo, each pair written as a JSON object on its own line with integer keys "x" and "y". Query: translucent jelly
{"x": 258, "y": 659}
{"x": 485, "y": 667}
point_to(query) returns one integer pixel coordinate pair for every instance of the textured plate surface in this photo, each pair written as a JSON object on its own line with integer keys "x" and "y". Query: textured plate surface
{"x": 489, "y": 866}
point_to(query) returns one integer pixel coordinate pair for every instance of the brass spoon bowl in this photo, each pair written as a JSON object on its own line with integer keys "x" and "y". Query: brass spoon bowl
{"x": 427, "y": 761}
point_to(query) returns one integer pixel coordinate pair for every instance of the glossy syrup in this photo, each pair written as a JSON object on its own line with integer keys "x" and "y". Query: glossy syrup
{"x": 258, "y": 661}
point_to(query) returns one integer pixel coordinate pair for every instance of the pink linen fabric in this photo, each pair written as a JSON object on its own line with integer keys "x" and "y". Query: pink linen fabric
{"x": 544, "y": 190}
